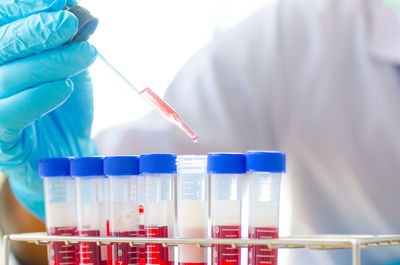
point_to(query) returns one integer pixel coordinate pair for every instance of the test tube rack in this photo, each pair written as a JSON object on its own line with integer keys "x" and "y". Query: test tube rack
{"x": 320, "y": 242}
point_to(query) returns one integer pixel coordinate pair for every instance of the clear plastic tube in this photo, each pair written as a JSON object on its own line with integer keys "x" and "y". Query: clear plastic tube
{"x": 265, "y": 173}
{"x": 107, "y": 214}
{"x": 141, "y": 181}
{"x": 124, "y": 218}
{"x": 59, "y": 193}
{"x": 192, "y": 207}
{"x": 159, "y": 221}
{"x": 88, "y": 173}
{"x": 122, "y": 174}
{"x": 225, "y": 203}
{"x": 159, "y": 171}
{"x": 226, "y": 172}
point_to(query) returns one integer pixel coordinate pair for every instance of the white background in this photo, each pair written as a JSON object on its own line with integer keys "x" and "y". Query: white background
{"x": 149, "y": 41}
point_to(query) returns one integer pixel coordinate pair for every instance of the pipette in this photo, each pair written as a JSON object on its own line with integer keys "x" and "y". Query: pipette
{"x": 161, "y": 106}
{"x": 87, "y": 26}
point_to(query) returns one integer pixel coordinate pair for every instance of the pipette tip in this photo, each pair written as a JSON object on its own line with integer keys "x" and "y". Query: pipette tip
{"x": 195, "y": 139}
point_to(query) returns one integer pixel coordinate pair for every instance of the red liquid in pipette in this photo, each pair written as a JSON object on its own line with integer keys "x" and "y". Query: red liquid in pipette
{"x": 167, "y": 112}
{"x": 225, "y": 254}
{"x": 262, "y": 254}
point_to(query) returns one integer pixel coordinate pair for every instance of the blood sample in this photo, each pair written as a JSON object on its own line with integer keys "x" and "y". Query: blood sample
{"x": 265, "y": 169}
{"x": 226, "y": 171}
{"x": 122, "y": 173}
{"x": 159, "y": 171}
{"x": 192, "y": 207}
{"x": 167, "y": 112}
{"x": 59, "y": 192}
{"x": 89, "y": 176}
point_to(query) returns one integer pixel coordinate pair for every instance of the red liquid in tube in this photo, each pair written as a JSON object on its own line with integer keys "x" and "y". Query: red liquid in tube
{"x": 123, "y": 253}
{"x": 90, "y": 252}
{"x": 156, "y": 253}
{"x": 225, "y": 254}
{"x": 60, "y": 253}
{"x": 262, "y": 254}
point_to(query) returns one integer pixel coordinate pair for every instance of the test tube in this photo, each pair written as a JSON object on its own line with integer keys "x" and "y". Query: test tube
{"x": 59, "y": 193}
{"x": 122, "y": 174}
{"x": 226, "y": 170}
{"x": 265, "y": 169}
{"x": 192, "y": 207}
{"x": 140, "y": 200}
{"x": 107, "y": 214}
{"x": 89, "y": 177}
{"x": 159, "y": 171}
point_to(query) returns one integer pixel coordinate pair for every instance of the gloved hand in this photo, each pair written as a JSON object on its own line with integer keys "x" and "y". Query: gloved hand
{"x": 46, "y": 104}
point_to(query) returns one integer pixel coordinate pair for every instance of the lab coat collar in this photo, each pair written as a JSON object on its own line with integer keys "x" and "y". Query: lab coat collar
{"x": 385, "y": 32}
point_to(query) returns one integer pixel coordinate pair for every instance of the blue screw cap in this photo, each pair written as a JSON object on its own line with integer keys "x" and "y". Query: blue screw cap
{"x": 54, "y": 167}
{"x": 158, "y": 163}
{"x": 121, "y": 165}
{"x": 87, "y": 166}
{"x": 266, "y": 161}
{"x": 226, "y": 163}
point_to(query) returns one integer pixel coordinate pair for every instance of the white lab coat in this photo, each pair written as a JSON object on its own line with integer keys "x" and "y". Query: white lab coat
{"x": 317, "y": 79}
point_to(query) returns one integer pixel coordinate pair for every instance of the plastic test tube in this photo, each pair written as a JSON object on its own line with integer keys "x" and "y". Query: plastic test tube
{"x": 107, "y": 214}
{"x": 141, "y": 210}
{"x": 265, "y": 170}
{"x": 89, "y": 177}
{"x": 159, "y": 171}
{"x": 226, "y": 171}
{"x": 59, "y": 192}
{"x": 122, "y": 174}
{"x": 192, "y": 207}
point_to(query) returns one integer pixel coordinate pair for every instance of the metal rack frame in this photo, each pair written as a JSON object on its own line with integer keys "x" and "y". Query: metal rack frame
{"x": 321, "y": 242}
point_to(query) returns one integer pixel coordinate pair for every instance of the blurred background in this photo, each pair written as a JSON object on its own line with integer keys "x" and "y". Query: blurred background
{"x": 149, "y": 41}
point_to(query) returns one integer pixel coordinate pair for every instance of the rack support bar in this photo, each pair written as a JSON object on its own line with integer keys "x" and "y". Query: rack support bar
{"x": 356, "y": 252}
{"x": 5, "y": 251}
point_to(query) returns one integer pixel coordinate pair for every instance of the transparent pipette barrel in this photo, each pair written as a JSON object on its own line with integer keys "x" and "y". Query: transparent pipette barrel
{"x": 226, "y": 171}
{"x": 160, "y": 105}
{"x": 159, "y": 171}
{"x": 122, "y": 174}
{"x": 192, "y": 207}
{"x": 89, "y": 176}
{"x": 265, "y": 169}
{"x": 59, "y": 193}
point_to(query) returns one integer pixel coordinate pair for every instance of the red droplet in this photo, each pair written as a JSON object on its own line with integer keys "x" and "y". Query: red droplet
{"x": 141, "y": 209}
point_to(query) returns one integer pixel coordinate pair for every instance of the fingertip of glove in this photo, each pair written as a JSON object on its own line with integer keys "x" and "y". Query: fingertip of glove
{"x": 87, "y": 53}
{"x": 93, "y": 51}
{"x": 68, "y": 25}
{"x": 88, "y": 49}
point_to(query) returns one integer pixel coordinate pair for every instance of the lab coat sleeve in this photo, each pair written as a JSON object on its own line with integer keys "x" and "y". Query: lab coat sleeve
{"x": 231, "y": 93}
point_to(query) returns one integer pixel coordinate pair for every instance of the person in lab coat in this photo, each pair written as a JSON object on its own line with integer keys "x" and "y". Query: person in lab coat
{"x": 316, "y": 79}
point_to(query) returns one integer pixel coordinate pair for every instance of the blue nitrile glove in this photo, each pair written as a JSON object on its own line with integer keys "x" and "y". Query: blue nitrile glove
{"x": 46, "y": 102}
